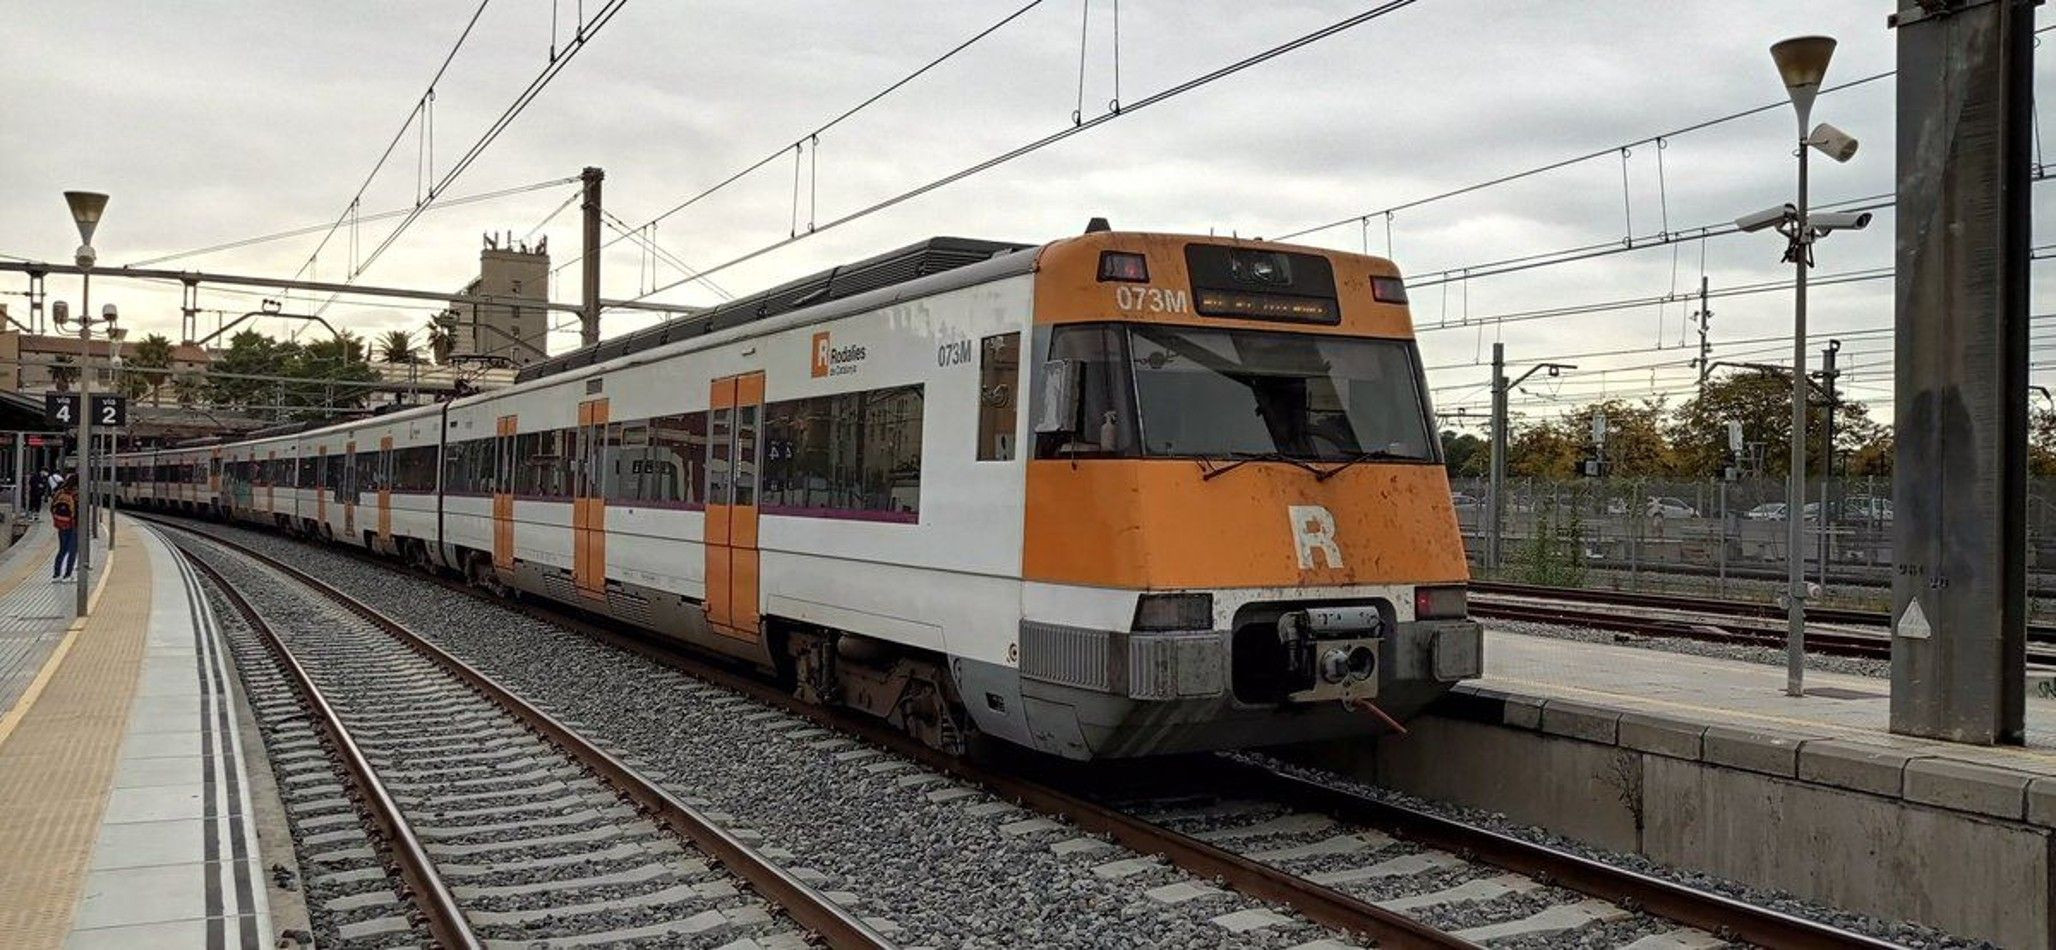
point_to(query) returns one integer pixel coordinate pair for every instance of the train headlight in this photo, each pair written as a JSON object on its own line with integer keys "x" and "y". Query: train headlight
{"x": 1441, "y": 603}
{"x": 1174, "y": 612}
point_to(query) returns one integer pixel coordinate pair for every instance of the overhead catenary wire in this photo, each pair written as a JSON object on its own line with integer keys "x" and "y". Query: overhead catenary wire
{"x": 420, "y": 105}
{"x": 1062, "y": 134}
{"x": 587, "y": 30}
{"x": 355, "y": 219}
{"x": 846, "y": 114}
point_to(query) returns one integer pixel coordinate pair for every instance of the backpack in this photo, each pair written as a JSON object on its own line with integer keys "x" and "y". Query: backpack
{"x": 62, "y": 513}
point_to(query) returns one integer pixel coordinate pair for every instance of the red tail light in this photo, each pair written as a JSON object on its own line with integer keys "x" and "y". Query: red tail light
{"x": 1388, "y": 289}
{"x": 1441, "y": 603}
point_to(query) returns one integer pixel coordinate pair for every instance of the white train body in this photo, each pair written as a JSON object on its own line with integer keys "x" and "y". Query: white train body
{"x": 847, "y": 494}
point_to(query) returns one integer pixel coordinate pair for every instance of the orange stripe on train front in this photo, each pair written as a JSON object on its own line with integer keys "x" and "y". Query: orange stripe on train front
{"x": 1156, "y": 524}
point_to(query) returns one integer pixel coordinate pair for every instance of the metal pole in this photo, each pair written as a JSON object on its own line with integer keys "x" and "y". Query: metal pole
{"x": 1795, "y": 490}
{"x": 21, "y": 473}
{"x": 1965, "y": 154}
{"x": 1495, "y": 489}
{"x": 589, "y": 325}
{"x": 83, "y": 531}
{"x": 1723, "y": 536}
{"x": 1705, "y": 351}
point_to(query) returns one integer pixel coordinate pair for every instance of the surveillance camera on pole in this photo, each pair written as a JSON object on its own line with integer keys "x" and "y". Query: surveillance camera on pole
{"x": 1832, "y": 142}
{"x": 1824, "y": 221}
{"x": 1768, "y": 217}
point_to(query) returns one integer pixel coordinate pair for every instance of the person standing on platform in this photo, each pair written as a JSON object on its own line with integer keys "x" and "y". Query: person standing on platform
{"x": 38, "y": 487}
{"x": 64, "y": 509}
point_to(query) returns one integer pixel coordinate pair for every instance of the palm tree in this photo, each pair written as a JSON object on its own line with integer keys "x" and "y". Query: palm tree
{"x": 149, "y": 367}
{"x": 63, "y": 373}
{"x": 397, "y": 346}
{"x": 442, "y": 341}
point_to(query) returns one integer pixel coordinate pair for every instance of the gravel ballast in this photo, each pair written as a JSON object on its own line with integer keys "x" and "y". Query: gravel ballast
{"x": 944, "y": 864}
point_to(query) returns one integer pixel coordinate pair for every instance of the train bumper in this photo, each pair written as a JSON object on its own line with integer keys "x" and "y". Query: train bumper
{"x": 1090, "y": 694}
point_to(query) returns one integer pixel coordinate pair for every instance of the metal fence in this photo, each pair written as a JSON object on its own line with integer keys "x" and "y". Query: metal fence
{"x": 1729, "y": 537}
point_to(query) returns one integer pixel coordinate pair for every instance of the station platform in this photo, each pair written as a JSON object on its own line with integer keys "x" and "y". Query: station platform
{"x": 125, "y": 815}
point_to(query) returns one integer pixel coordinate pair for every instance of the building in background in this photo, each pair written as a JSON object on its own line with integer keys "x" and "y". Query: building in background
{"x": 37, "y": 363}
{"x": 507, "y": 335}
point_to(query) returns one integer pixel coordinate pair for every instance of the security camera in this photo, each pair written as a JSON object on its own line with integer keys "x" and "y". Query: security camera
{"x": 60, "y": 312}
{"x": 1825, "y": 221}
{"x": 1766, "y": 218}
{"x": 1833, "y": 142}
{"x": 109, "y": 313}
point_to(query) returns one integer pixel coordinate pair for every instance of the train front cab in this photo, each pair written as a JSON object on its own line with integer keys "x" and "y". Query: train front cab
{"x": 1239, "y": 530}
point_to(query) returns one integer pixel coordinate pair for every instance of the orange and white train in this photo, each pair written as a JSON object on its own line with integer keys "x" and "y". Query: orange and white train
{"x": 1114, "y": 495}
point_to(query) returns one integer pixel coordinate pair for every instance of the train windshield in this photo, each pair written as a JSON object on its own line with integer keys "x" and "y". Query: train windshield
{"x": 1236, "y": 394}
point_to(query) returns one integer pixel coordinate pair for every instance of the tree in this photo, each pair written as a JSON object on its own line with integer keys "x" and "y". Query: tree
{"x": 249, "y": 353}
{"x": 442, "y": 341}
{"x": 1465, "y": 454}
{"x": 2041, "y": 442}
{"x": 1636, "y": 444}
{"x": 1762, "y": 402}
{"x": 149, "y": 367}
{"x": 1544, "y": 450}
{"x": 397, "y": 346}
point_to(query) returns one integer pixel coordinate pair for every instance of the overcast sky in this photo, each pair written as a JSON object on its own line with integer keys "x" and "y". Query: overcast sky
{"x": 214, "y": 121}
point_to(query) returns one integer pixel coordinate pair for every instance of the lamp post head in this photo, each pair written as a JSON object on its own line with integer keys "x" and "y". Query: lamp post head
{"x": 1802, "y": 63}
{"x": 85, "y": 211}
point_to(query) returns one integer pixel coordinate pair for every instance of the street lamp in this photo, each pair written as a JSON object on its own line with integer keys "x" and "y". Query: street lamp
{"x": 86, "y": 207}
{"x": 1802, "y": 63}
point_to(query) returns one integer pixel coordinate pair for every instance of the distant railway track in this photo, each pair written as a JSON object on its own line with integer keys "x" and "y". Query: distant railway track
{"x": 391, "y": 703}
{"x": 1709, "y": 619}
{"x": 1058, "y": 789}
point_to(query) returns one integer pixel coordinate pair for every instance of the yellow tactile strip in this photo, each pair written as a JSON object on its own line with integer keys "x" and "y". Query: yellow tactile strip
{"x": 56, "y": 766}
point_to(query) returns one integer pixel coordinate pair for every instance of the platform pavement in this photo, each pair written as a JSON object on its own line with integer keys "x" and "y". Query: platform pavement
{"x": 1738, "y": 710}
{"x": 34, "y": 612}
{"x": 124, "y": 810}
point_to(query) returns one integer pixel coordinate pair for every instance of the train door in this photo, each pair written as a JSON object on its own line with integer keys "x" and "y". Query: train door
{"x": 503, "y": 493}
{"x": 589, "y": 501}
{"x": 214, "y": 477}
{"x": 349, "y": 490}
{"x": 732, "y": 559}
{"x": 271, "y": 482}
{"x": 385, "y": 491}
{"x": 321, "y": 477}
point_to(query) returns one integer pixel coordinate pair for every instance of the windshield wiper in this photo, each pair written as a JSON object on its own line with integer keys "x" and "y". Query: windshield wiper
{"x": 1355, "y": 457}
{"x": 1244, "y": 458}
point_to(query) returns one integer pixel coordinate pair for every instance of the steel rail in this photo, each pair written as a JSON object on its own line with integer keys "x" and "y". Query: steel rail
{"x": 446, "y": 921}
{"x": 807, "y": 906}
{"x": 1722, "y": 915}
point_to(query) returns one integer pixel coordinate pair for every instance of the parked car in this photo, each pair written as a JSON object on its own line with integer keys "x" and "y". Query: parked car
{"x": 1768, "y": 511}
{"x": 1666, "y": 506}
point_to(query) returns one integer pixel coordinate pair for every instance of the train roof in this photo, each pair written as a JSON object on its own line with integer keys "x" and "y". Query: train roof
{"x": 932, "y": 256}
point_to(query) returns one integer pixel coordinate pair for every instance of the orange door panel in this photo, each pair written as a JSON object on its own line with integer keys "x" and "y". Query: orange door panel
{"x": 503, "y": 493}
{"x": 734, "y": 431}
{"x": 588, "y": 501}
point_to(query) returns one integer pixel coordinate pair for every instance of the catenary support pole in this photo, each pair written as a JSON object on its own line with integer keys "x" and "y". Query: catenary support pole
{"x": 1495, "y": 486}
{"x": 589, "y": 324}
{"x": 1959, "y": 479}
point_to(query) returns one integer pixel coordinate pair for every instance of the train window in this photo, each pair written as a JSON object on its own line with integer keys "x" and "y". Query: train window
{"x": 746, "y": 454}
{"x": 1106, "y": 418}
{"x": 999, "y": 374}
{"x": 456, "y": 479}
{"x": 678, "y": 451}
{"x": 718, "y": 447}
{"x": 853, "y": 452}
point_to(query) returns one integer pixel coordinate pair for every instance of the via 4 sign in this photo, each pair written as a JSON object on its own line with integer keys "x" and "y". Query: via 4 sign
{"x": 62, "y": 409}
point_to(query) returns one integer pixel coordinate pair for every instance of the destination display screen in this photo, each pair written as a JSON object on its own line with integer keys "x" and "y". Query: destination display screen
{"x": 1256, "y": 284}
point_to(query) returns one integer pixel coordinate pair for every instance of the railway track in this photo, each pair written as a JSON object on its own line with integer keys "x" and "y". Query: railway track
{"x": 506, "y": 825}
{"x": 1339, "y": 858}
{"x": 1709, "y": 619}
